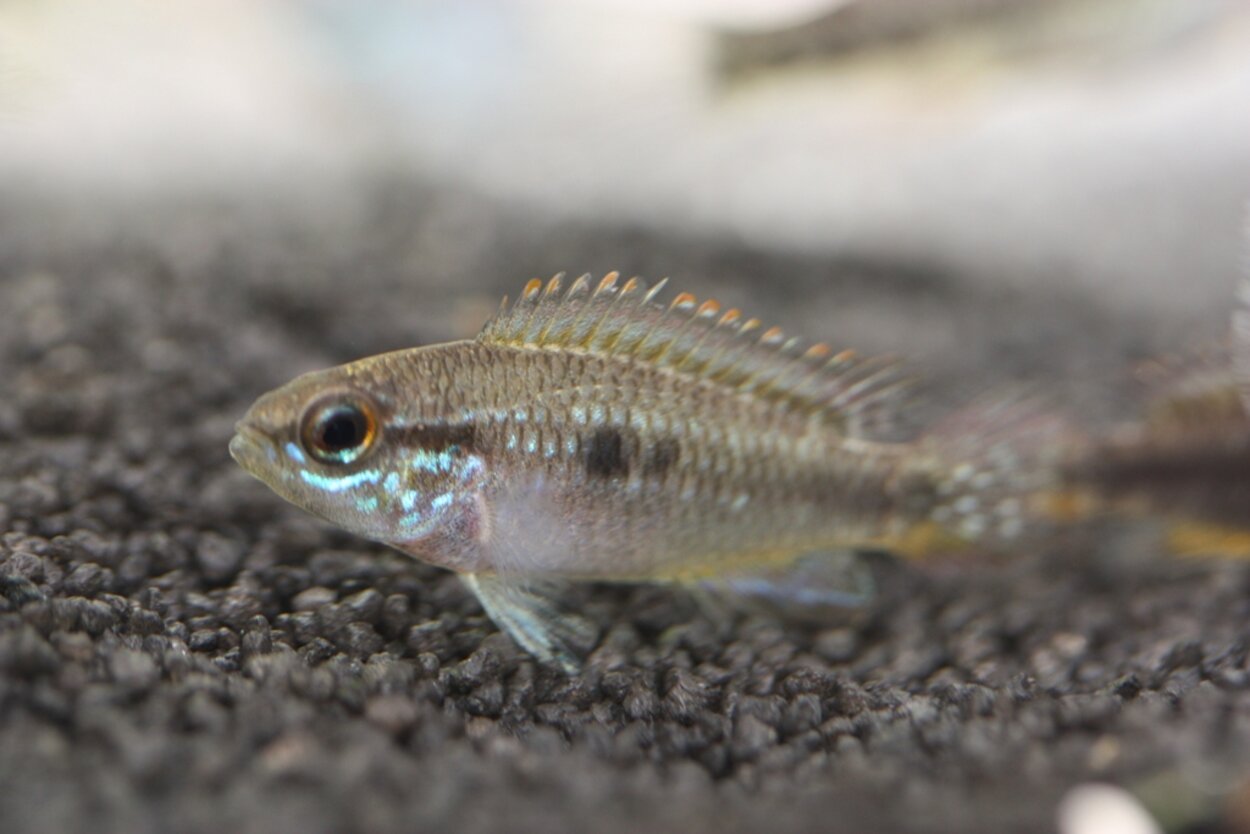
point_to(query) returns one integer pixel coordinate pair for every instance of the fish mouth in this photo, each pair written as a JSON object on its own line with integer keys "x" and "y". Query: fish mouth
{"x": 250, "y": 447}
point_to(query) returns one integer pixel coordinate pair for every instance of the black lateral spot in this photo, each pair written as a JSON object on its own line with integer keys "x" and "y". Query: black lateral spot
{"x": 663, "y": 455}
{"x": 605, "y": 454}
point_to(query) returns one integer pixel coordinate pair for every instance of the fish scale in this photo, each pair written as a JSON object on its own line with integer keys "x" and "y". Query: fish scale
{"x": 594, "y": 433}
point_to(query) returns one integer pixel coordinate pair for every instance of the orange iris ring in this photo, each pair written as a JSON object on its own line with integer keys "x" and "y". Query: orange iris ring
{"x": 325, "y": 408}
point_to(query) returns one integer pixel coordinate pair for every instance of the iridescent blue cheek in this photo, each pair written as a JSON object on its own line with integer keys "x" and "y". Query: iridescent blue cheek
{"x": 425, "y": 486}
{"x": 296, "y": 454}
{"x": 340, "y": 483}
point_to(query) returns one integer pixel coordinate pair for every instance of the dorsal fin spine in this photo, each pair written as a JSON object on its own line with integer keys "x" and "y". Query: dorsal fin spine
{"x": 550, "y": 292}
{"x": 654, "y": 291}
{"x": 860, "y": 383}
{"x": 772, "y": 336}
{"x": 625, "y": 296}
{"x": 577, "y": 297}
{"x": 813, "y": 372}
{"x": 607, "y": 285}
{"x": 699, "y": 341}
{"x": 701, "y": 320}
{"x": 743, "y": 341}
{"x": 532, "y": 296}
{"x": 620, "y": 345}
{"x": 770, "y": 340}
{"x": 784, "y": 381}
{"x": 815, "y": 358}
{"x": 664, "y": 341}
{"x": 723, "y": 325}
{"x": 731, "y": 372}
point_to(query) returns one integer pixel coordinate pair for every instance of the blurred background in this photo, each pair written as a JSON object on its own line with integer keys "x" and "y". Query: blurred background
{"x": 200, "y": 199}
{"x": 1098, "y": 147}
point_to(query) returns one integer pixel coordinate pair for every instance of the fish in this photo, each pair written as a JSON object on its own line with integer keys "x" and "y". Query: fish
{"x": 592, "y": 433}
{"x": 1240, "y": 329}
{"x": 1185, "y": 458}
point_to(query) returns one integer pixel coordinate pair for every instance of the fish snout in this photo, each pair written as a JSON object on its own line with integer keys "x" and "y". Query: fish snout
{"x": 250, "y": 447}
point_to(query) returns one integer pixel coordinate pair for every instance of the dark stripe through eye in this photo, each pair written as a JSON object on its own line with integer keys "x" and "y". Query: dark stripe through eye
{"x": 437, "y": 437}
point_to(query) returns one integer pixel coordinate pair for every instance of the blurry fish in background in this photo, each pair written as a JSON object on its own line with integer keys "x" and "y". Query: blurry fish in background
{"x": 1186, "y": 459}
{"x": 1241, "y": 326}
{"x": 991, "y": 35}
{"x": 734, "y": 15}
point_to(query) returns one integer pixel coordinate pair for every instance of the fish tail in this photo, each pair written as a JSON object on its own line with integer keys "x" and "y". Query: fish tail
{"x": 993, "y": 473}
{"x": 1009, "y": 467}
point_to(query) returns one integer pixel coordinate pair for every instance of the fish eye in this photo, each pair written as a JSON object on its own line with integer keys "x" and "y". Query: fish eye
{"x": 340, "y": 429}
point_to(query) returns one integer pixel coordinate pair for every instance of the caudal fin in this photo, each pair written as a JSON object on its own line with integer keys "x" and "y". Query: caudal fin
{"x": 996, "y": 468}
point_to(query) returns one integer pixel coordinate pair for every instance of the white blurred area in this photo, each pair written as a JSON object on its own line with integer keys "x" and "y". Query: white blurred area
{"x": 1101, "y": 144}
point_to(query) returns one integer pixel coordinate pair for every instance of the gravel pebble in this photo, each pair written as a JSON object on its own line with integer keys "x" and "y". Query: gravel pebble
{"x": 180, "y": 650}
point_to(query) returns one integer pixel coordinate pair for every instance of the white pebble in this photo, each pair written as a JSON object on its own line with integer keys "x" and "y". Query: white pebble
{"x": 1095, "y": 808}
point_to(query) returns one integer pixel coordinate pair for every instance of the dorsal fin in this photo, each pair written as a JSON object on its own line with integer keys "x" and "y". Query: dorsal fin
{"x": 1192, "y": 392}
{"x": 613, "y": 319}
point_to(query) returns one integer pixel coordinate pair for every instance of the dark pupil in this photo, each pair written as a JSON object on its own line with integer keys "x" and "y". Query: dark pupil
{"x": 342, "y": 430}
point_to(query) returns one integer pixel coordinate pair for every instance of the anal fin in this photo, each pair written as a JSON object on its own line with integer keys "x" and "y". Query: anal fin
{"x": 529, "y": 611}
{"x": 814, "y": 587}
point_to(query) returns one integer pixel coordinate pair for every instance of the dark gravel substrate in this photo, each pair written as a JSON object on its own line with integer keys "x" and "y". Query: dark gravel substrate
{"x": 180, "y": 650}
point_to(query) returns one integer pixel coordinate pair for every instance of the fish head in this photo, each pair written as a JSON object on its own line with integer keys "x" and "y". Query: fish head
{"x": 346, "y": 445}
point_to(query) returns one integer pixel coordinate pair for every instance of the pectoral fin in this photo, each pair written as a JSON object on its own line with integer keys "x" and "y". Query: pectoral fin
{"x": 530, "y": 613}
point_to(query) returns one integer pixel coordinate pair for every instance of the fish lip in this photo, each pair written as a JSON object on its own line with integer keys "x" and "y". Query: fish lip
{"x": 249, "y": 444}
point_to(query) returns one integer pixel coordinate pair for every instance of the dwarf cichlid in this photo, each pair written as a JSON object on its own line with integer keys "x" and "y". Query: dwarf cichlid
{"x": 1186, "y": 458}
{"x": 592, "y": 433}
